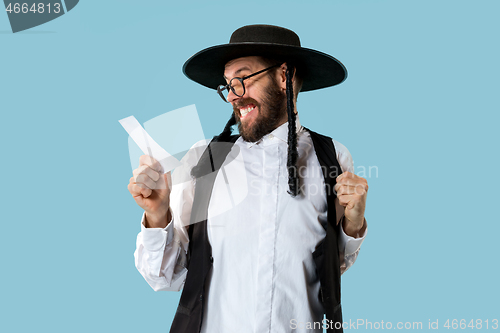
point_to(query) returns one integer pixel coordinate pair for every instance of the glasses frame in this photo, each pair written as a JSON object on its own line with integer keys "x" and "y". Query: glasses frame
{"x": 222, "y": 87}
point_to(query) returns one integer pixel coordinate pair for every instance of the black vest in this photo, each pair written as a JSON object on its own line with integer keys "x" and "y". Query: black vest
{"x": 189, "y": 315}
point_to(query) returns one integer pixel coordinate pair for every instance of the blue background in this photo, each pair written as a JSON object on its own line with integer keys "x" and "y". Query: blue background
{"x": 420, "y": 104}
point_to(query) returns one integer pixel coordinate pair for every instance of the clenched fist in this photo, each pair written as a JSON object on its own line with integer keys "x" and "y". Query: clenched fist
{"x": 351, "y": 192}
{"x": 150, "y": 190}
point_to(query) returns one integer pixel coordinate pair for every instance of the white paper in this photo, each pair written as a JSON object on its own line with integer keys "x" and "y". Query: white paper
{"x": 148, "y": 145}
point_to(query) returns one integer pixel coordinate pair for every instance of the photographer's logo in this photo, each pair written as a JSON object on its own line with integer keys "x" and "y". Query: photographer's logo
{"x": 28, "y": 14}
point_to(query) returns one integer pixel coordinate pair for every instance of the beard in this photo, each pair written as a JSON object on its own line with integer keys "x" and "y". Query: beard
{"x": 272, "y": 110}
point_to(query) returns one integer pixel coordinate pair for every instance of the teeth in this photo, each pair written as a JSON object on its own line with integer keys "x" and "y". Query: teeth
{"x": 246, "y": 110}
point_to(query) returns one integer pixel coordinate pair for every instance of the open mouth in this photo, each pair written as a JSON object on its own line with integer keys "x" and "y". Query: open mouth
{"x": 244, "y": 111}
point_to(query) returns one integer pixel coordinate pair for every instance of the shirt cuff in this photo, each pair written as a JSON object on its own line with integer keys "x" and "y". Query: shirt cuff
{"x": 352, "y": 244}
{"x": 154, "y": 239}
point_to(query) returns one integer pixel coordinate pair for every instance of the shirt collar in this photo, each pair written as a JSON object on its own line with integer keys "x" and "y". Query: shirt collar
{"x": 281, "y": 133}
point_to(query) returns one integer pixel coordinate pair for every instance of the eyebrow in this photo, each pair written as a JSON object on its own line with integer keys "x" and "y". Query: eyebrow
{"x": 245, "y": 68}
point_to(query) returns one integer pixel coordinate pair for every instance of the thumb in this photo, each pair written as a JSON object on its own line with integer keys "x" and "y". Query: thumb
{"x": 167, "y": 177}
{"x": 139, "y": 199}
{"x": 350, "y": 205}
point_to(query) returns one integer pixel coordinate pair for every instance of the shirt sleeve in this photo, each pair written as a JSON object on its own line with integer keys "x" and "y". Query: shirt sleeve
{"x": 161, "y": 253}
{"x": 160, "y": 257}
{"x": 349, "y": 246}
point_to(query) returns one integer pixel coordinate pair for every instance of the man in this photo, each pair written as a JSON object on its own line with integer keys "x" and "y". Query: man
{"x": 272, "y": 262}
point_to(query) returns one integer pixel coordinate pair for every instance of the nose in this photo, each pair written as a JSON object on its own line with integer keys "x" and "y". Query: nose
{"x": 231, "y": 97}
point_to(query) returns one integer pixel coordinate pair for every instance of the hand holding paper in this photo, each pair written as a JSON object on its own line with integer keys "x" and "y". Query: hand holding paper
{"x": 150, "y": 189}
{"x": 150, "y": 185}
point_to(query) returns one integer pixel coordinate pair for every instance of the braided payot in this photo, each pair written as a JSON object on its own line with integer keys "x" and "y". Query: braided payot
{"x": 293, "y": 153}
{"x": 226, "y": 133}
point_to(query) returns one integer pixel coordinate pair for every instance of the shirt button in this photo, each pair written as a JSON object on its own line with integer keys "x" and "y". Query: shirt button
{"x": 271, "y": 136}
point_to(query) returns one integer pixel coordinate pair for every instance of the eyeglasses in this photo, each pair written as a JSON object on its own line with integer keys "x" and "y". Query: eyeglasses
{"x": 236, "y": 85}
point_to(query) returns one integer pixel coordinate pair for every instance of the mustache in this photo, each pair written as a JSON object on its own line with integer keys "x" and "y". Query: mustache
{"x": 244, "y": 102}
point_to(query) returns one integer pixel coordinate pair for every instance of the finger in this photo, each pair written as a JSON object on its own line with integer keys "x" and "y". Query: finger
{"x": 144, "y": 180}
{"x": 338, "y": 188}
{"x": 167, "y": 178}
{"x": 139, "y": 190}
{"x": 147, "y": 176}
{"x": 146, "y": 192}
{"x": 151, "y": 162}
{"x": 347, "y": 189}
{"x": 148, "y": 183}
{"x": 133, "y": 189}
{"x": 351, "y": 200}
{"x": 350, "y": 205}
{"x": 344, "y": 199}
{"x": 342, "y": 178}
{"x": 353, "y": 182}
{"x": 146, "y": 169}
{"x": 359, "y": 189}
{"x": 345, "y": 174}
{"x": 347, "y": 201}
{"x": 136, "y": 193}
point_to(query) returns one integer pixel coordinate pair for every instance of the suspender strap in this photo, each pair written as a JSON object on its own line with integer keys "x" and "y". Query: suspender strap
{"x": 326, "y": 255}
{"x": 189, "y": 315}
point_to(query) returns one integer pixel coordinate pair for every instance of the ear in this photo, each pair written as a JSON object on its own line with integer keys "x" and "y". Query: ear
{"x": 282, "y": 76}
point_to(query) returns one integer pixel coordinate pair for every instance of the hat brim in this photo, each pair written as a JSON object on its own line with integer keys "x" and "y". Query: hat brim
{"x": 318, "y": 69}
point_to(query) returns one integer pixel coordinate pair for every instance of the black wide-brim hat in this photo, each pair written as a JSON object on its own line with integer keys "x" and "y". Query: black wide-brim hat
{"x": 317, "y": 69}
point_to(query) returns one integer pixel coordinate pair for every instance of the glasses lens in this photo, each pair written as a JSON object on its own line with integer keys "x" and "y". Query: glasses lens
{"x": 237, "y": 86}
{"x": 223, "y": 91}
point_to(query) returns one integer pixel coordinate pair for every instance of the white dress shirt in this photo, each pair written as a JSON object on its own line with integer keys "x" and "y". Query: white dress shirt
{"x": 263, "y": 277}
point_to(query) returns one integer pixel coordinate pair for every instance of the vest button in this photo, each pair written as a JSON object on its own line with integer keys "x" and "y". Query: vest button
{"x": 201, "y": 297}
{"x": 211, "y": 259}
